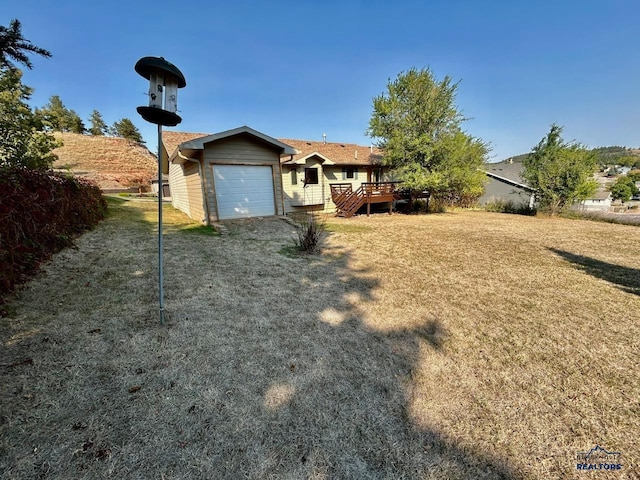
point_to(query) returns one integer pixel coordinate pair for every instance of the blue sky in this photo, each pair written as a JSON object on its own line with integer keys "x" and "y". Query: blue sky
{"x": 300, "y": 69}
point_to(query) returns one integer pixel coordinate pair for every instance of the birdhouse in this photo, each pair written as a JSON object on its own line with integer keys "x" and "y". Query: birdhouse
{"x": 164, "y": 81}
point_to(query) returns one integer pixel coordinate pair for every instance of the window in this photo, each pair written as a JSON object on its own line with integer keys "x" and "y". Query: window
{"x": 294, "y": 176}
{"x": 310, "y": 176}
{"x": 349, "y": 173}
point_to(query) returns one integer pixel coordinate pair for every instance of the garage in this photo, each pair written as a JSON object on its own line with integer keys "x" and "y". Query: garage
{"x": 226, "y": 175}
{"x": 244, "y": 191}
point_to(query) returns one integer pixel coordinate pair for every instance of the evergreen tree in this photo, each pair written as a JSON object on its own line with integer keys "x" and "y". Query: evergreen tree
{"x": 98, "y": 127}
{"x": 76, "y": 125}
{"x": 14, "y": 47}
{"x": 55, "y": 116}
{"x": 22, "y": 141}
{"x": 126, "y": 129}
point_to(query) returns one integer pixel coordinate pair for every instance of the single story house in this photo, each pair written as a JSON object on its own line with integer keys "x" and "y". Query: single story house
{"x": 243, "y": 173}
{"x": 506, "y": 185}
{"x": 598, "y": 202}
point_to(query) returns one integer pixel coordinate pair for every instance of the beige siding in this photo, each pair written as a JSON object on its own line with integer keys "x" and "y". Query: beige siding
{"x": 295, "y": 195}
{"x": 298, "y": 195}
{"x": 240, "y": 150}
{"x": 178, "y": 186}
{"x": 186, "y": 189}
{"x": 194, "y": 187}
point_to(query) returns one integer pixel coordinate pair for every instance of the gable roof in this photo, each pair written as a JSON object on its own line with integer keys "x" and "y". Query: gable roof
{"x": 171, "y": 140}
{"x": 199, "y": 143}
{"x": 509, "y": 172}
{"x": 600, "y": 194}
{"x": 296, "y": 151}
{"x": 337, "y": 153}
{"x": 196, "y": 141}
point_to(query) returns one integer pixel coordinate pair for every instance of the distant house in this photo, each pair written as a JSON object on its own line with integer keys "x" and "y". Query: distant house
{"x": 506, "y": 184}
{"x": 599, "y": 201}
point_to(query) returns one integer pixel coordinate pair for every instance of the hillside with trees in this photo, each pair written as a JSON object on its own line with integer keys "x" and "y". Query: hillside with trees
{"x": 624, "y": 156}
{"x": 605, "y": 156}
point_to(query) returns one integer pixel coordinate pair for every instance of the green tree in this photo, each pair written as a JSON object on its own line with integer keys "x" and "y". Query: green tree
{"x": 126, "y": 129}
{"x": 561, "y": 172}
{"x": 624, "y": 189}
{"x": 634, "y": 175}
{"x": 14, "y": 47}
{"x": 57, "y": 117}
{"x": 22, "y": 141}
{"x": 418, "y": 126}
{"x": 98, "y": 127}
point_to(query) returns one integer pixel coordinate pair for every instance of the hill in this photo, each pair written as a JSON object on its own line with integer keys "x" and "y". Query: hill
{"x": 629, "y": 157}
{"x": 112, "y": 162}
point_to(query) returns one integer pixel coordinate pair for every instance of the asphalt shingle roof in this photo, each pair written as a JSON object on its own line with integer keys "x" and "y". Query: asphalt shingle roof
{"x": 510, "y": 171}
{"x": 171, "y": 139}
{"x": 338, "y": 153}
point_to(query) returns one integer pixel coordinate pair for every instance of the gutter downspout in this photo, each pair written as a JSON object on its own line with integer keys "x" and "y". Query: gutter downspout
{"x": 205, "y": 205}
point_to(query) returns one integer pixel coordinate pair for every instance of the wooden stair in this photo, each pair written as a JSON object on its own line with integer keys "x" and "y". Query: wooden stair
{"x": 348, "y": 201}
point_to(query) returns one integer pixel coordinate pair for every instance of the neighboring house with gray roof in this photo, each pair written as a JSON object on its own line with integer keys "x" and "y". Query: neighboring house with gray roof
{"x": 506, "y": 185}
{"x": 599, "y": 201}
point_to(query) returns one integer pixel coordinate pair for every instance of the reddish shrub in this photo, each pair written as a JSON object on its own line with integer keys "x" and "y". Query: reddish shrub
{"x": 40, "y": 213}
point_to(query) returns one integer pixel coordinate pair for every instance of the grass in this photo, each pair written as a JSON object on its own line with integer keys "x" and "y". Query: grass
{"x": 111, "y": 162}
{"x": 632, "y": 218}
{"x": 464, "y": 345}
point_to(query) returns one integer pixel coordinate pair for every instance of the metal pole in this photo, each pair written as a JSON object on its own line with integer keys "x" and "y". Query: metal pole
{"x": 160, "y": 188}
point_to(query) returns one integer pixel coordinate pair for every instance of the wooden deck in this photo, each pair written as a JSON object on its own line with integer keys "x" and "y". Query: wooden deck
{"x": 349, "y": 201}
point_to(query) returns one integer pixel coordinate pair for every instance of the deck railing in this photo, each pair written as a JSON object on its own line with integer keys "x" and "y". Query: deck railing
{"x": 348, "y": 201}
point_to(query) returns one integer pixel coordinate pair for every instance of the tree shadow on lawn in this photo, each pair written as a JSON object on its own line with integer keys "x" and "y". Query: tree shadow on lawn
{"x": 267, "y": 369}
{"x": 300, "y": 385}
{"x": 627, "y": 279}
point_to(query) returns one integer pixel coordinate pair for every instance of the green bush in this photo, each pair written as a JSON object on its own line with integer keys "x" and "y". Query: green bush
{"x": 437, "y": 206}
{"x": 507, "y": 206}
{"x": 40, "y": 213}
{"x": 418, "y": 205}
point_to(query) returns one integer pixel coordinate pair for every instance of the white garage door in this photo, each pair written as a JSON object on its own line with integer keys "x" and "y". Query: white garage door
{"x": 244, "y": 191}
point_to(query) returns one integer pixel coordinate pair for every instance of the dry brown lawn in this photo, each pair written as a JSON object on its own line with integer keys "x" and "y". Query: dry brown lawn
{"x": 459, "y": 345}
